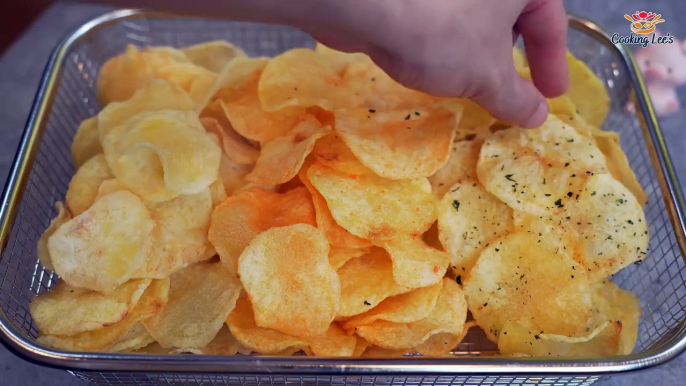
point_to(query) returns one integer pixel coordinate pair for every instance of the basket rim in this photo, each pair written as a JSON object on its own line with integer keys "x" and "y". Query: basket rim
{"x": 31, "y": 351}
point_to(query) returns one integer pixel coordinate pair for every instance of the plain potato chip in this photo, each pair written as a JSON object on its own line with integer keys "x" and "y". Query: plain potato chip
{"x": 67, "y": 310}
{"x": 372, "y": 207}
{"x": 201, "y": 297}
{"x": 338, "y": 256}
{"x": 469, "y": 218}
{"x": 234, "y": 146}
{"x": 137, "y": 337}
{"x": 104, "y": 246}
{"x": 335, "y": 343}
{"x": 242, "y": 216}
{"x": 104, "y": 339}
{"x": 443, "y": 343}
{"x": 121, "y": 76}
{"x": 406, "y": 308}
{"x": 538, "y": 170}
{"x": 520, "y": 278}
{"x": 399, "y": 144}
{"x": 613, "y": 303}
{"x": 198, "y": 82}
{"x": 83, "y": 187}
{"x": 212, "y": 55}
{"x": 332, "y": 152}
{"x": 292, "y": 286}
{"x": 86, "y": 142}
{"x": 222, "y": 344}
{"x": 516, "y": 338}
{"x": 300, "y": 77}
{"x": 587, "y": 92}
{"x": 281, "y": 159}
{"x": 365, "y": 282}
{"x": 618, "y": 164}
{"x": 461, "y": 166}
{"x": 241, "y": 322}
{"x": 415, "y": 264}
{"x": 42, "y": 250}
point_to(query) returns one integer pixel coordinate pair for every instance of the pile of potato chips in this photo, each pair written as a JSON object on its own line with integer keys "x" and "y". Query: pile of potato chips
{"x": 224, "y": 204}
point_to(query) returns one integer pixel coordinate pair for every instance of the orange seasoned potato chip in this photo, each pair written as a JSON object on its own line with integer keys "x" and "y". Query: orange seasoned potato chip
{"x": 42, "y": 250}
{"x": 332, "y": 152}
{"x": 415, "y": 264}
{"x": 365, "y": 282}
{"x": 213, "y": 55}
{"x": 84, "y": 186}
{"x": 86, "y": 142}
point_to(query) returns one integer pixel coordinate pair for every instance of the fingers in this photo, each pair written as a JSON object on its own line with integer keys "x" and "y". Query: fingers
{"x": 543, "y": 24}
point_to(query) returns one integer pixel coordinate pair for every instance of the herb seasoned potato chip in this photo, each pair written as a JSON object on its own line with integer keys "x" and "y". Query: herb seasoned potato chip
{"x": 587, "y": 92}
{"x": 241, "y": 322}
{"x": 518, "y": 278}
{"x": 469, "y": 219}
{"x": 67, "y": 310}
{"x": 415, "y": 264}
{"x": 241, "y": 217}
{"x": 201, "y": 297}
{"x": 86, "y": 142}
{"x": 371, "y": 207}
{"x": 339, "y": 256}
{"x": 234, "y": 146}
{"x": 615, "y": 304}
{"x": 42, "y": 250}
{"x": 84, "y": 186}
{"x": 461, "y": 167}
{"x": 213, "y": 55}
{"x": 105, "y": 246}
{"x": 538, "y": 170}
{"x": 399, "y": 144}
{"x": 332, "y": 152}
{"x": 335, "y": 343}
{"x": 285, "y": 297}
{"x": 618, "y": 165}
{"x": 365, "y": 282}
{"x": 443, "y": 343}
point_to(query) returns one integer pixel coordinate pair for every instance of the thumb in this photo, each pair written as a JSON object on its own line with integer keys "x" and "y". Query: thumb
{"x": 514, "y": 100}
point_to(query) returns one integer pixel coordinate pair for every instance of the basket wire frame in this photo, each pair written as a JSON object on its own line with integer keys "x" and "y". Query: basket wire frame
{"x": 659, "y": 282}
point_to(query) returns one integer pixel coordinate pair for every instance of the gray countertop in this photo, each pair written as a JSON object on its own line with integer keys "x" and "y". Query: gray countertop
{"x": 22, "y": 65}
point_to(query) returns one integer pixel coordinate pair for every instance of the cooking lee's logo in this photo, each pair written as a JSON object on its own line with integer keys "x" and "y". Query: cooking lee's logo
{"x": 643, "y": 25}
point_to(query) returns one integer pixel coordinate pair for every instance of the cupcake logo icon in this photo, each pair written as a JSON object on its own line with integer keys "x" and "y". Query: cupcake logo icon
{"x": 643, "y": 22}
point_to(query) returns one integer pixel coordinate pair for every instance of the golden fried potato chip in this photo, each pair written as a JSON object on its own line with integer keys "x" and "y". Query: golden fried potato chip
{"x": 372, "y": 207}
{"x": 233, "y": 175}
{"x": 613, "y": 303}
{"x": 286, "y": 297}
{"x": 340, "y": 60}
{"x": 461, "y": 166}
{"x": 448, "y": 316}
{"x": 104, "y": 339}
{"x": 443, "y": 343}
{"x": 587, "y": 92}
{"x": 217, "y": 192}
{"x": 83, "y": 187}
{"x": 360, "y": 346}
{"x": 469, "y": 218}
{"x": 199, "y": 83}
{"x": 519, "y": 58}
{"x": 302, "y": 78}
{"x": 212, "y": 55}
{"x": 86, "y": 142}
{"x": 241, "y": 322}
{"x": 381, "y": 353}
{"x": 335, "y": 343}
{"x": 201, "y": 297}
{"x": 121, "y": 76}
{"x": 104, "y": 246}
{"x": 415, "y": 264}
{"x": 42, "y": 250}
{"x": 617, "y": 163}
{"x": 516, "y": 338}
{"x": 475, "y": 119}
{"x": 520, "y": 278}
{"x": 399, "y": 144}
{"x": 608, "y": 227}
{"x": 281, "y": 159}
{"x": 431, "y": 239}
{"x": 365, "y": 282}
{"x": 338, "y": 256}
{"x": 234, "y": 146}
{"x": 222, "y": 344}
{"x": 406, "y": 308}
{"x": 332, "y": 152}
{"x": 66, "y": 310}
{"x": 242, "y": 216}
{"x": 538, "y": 170}
{"x": 137, "y": 337}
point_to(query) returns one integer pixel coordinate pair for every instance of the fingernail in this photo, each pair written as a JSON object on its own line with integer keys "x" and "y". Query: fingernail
{"x": 538, "y": 117}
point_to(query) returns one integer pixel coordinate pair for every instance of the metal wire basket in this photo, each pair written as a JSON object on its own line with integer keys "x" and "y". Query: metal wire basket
{"x": 43, "y": 168}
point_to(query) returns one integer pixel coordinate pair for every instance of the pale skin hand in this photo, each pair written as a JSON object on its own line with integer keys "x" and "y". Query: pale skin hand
{"x": 455, "y": 48}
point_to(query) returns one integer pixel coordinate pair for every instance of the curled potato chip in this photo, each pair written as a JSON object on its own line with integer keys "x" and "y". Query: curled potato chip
{"x": 83, "y": 187}
{"x": 469, "y": 218}
{"x": 42, "y": 250}
{"x": 461, "y": 166}
{"x": 286, "y": 297}
{"x": 300, "y": 77}
{"x": 617, "y": 163}
{"x": 67, "y": 310}
{"x": 415, "y": 264}
{"x": 236, "y": 221}
{"x": 104, "y": 339}
{"x": 201, "y": 297}
{"x": 608, "y": 227}
{"x": 520, "y": 278}
{"x": 281, "y": 159}
{"x": 86, "y": 142}
{"x": 334, "y": 343}
{"x": 372, "y": 207}
{"x": 448, "y": 316}
{"x": 443, "y": 343}
{"x": 212, "y": 55}
{"x": 538, "y": 170}
{"x": 516, "y": 338}
{"x": 365, "y": 282}
{"x": 587, "y": 92}
{"x": 613, "y": 303}
{"x": 406, "y": 308}
{"x": 234, "y": 146}
{"x": 104, "y": 246}
{"x": 399, "y": 144}
{"x": 241, "y": 322}
{"x": 137, "y": 337}
{"x": 338, "y": 256}
{"x": 332, "y": 152}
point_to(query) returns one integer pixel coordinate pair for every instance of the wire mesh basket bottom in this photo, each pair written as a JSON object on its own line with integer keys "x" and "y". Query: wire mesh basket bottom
{"x": 659, "y": 282}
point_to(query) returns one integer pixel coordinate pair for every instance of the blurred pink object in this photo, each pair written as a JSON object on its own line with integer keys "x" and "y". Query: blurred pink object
{"x": 664, "y": 69}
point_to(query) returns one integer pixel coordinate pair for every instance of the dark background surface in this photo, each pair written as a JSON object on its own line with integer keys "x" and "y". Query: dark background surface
{"x": 25, "y": 55}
